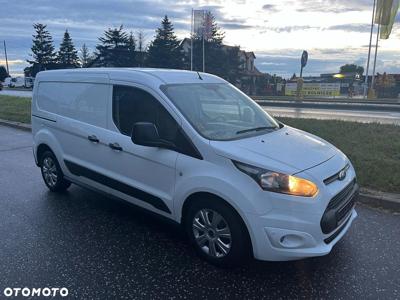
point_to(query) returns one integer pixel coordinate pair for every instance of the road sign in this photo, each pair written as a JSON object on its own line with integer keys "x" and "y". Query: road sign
{"x": 304, "y": 58}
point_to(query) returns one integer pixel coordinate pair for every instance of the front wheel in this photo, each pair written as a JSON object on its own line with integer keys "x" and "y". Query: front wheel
{"x": 52, "y": 174}
{"x": 217, "y": 233}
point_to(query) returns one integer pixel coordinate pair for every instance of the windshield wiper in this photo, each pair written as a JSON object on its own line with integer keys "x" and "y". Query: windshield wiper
{"x": 255, "y": 129}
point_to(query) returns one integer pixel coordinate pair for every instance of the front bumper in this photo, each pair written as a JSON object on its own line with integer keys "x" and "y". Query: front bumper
{"x": 294, "y": 231}
{"x": 282, "y": 244}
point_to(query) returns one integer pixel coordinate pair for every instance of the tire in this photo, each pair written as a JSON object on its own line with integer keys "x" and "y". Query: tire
{"x": 52, "y": 175}
{"x": 211, "y": 240}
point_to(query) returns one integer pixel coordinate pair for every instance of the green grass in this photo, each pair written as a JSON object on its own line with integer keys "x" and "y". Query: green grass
{"x": 16, "y": 109}
{"x": 374, "y": 149}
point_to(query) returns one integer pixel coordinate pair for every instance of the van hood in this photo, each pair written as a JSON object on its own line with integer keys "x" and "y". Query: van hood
{"x": 285, "y": 150}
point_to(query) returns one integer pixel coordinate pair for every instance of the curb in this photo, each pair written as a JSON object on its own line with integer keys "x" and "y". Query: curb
{"x": 331, "y": 105}
{"x": 379, "y": 199}
{"x": 370, "y": 197}
{"x": 17, "y": 125}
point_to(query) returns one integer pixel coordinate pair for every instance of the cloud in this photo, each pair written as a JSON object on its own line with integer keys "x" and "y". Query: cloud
{"x": 321, "y": 61}
{"x": 351, "y": 27}
{"x": 12, "y": 62}
{"x": 334, "y": 6}
{"x": 270, "y": 8}
{"x": 234, "y": 26}
{"x": 243, "y": 22}
{"x": 289, "y": 28}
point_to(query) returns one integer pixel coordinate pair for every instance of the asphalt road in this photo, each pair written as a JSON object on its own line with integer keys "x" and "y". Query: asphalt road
{"x": 100, "y": 248}
{"x": 17, "y": 93}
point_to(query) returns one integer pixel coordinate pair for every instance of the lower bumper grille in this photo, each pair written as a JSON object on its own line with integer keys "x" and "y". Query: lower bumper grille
{"x": 334, "y": 236}
{"x": 339, "y": 208}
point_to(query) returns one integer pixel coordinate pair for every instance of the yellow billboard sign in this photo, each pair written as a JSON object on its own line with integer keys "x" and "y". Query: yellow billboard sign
{"x": 313, "y": 89}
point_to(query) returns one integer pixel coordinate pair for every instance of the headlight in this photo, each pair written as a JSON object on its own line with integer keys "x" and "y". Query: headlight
{"x": 278, "y": 182}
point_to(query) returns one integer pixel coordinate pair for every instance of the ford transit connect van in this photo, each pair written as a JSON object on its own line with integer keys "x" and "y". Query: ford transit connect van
{"x": 191, "y": 147}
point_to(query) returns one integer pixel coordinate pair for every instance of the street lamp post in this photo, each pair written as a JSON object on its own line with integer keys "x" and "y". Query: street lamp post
{"x": 376, "y": 53}
{"x": 369, "y": 50}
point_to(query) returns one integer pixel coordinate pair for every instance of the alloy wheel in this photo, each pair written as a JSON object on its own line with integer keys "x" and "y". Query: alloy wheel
{"x": 212, "y": 233}
{"x": 49, "y": 170}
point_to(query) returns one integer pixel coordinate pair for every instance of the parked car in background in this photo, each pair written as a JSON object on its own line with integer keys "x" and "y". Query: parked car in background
{"x": 7, "y": 81}
{"x": 29, "y": 82}
{"x": 1, "y": 86}
{"x": 19, "y": 82}
{"x": 193, "y": 148}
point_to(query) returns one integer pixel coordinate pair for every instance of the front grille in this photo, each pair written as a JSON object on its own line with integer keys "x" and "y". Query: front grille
{"x": 339, "y": 207}
{"x": 335, "y": 201}
{"x": 343, "y": 212}
{"x": 335, "y": 176}
{"x": 334, "y": 236}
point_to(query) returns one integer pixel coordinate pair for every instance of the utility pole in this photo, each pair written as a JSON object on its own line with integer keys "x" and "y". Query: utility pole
{"x": 191, "y": 41}
{"x": 376, "y": 52}
{"x": 204, "y": 58}
{"x": 203, "y": 34}
{"x": 5, "y": 52}
{"x": 369, "y": 51}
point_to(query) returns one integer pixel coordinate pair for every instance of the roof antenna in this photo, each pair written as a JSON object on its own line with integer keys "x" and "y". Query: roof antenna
{"x": 199, "y": 75}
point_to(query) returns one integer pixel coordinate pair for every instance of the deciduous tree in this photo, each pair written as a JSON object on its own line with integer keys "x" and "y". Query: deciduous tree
{"x": 351, "y": 68}
{"x": 219, "y": 59}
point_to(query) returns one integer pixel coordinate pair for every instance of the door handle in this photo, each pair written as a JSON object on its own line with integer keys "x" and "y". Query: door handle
{"x": 93, "y": 139}
{"x": 115, "y": 146}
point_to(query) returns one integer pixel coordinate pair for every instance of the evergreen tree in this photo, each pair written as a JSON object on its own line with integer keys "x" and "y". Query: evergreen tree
{"x": 220, "y": 60}
{"x": 165, "y": 51}
{"x": 141, "y": 49}
{"x": 85, "y": 57}
{"x": 131, "y": 59}
{"x": 113, "y": 50}
{"x": 3, "y": 73}
{"x": 67, "y": 56}
{"x": 43, "y": 54}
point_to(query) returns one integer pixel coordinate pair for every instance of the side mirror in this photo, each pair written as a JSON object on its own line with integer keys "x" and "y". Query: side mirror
{"x": 146, "y": 134}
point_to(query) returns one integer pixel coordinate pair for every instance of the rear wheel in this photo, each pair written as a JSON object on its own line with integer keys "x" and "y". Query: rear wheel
{"x": 52, "y": 174}
{"x": 217, "y": 232}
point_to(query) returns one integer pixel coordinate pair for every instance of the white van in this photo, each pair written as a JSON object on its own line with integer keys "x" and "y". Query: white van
{"x": 191, "y": 147}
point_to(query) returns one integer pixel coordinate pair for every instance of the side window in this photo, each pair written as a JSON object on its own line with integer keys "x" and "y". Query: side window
{"x": 132, "y": 105}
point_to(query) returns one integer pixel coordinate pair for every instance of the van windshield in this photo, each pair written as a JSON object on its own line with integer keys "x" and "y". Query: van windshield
{"x": 218, "y": 111}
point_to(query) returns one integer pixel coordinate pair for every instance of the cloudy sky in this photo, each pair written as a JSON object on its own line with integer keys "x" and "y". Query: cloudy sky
{"x": 334, "y": 32}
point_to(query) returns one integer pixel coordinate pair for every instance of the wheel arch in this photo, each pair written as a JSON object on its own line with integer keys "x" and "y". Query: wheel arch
{"x": 197, "y": 196}
{"x": 42, "y": 148}
{"x": 44, "y": 140}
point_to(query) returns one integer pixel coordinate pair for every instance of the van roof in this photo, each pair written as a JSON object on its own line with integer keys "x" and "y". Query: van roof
{"x": 148, "y": 76}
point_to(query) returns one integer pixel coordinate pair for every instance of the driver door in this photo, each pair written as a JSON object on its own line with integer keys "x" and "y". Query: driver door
{"x": 144, "y": 175}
